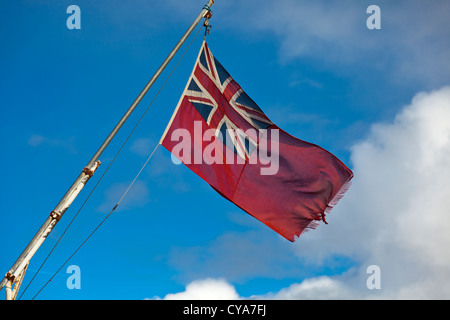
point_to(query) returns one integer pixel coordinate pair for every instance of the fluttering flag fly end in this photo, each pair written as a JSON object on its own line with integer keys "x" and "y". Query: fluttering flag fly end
{"x": 223, "y": 136}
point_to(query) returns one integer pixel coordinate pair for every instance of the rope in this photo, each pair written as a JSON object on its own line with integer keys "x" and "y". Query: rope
{"x": 98, "y": 226}
{"x": 135, "y": 178}
{"x": 129, "y": 187}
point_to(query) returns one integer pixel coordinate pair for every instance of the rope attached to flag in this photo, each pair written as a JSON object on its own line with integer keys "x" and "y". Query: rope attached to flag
{"x": 98, "y": 182}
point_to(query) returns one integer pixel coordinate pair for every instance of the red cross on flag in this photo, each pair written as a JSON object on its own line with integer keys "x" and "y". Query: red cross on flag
{"x": 223, "y": 136}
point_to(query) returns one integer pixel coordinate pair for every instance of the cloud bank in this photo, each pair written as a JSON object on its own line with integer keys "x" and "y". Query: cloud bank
{"x": 394, "y": 216}
{"x": 412, "y": 44}
{"x": 206, "y": 289}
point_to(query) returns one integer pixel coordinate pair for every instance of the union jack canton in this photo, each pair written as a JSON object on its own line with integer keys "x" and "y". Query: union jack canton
{"x": 224, "y": 105}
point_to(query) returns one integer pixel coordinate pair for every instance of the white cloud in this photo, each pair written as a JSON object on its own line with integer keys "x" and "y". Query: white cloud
{"x": 315, "y": 288}
{"x": 37, "y": 140}
{"x": 137, "y": 196}
{"x": 206, "y": 289}
{"x": 395, "y": 215}
{"x": 412, "y": 44}
{"x": 142, "y": 147}
{"x": 396, "y": 212}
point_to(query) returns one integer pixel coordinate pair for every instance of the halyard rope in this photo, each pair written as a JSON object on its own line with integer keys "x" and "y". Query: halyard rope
{"x": 124, "y": 194}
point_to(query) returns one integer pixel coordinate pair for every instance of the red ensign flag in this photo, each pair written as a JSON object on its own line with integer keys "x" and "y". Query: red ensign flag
{"x": 220, "y": 133}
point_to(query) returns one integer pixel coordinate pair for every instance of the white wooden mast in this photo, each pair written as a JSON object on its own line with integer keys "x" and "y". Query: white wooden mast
{"x": 13, "y": 278}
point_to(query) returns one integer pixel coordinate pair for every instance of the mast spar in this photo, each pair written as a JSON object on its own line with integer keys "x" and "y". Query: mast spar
{"x": 13, "y": 278}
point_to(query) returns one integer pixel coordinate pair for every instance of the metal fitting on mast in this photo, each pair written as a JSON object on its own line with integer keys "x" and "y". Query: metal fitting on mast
{"x": 207, "y": 16}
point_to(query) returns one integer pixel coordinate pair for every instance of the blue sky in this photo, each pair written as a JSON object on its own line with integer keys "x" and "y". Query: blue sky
{"x": 315, "y": 69}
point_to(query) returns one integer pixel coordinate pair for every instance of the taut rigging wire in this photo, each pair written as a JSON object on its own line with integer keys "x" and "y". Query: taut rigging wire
{"x": 98, "y": 182}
